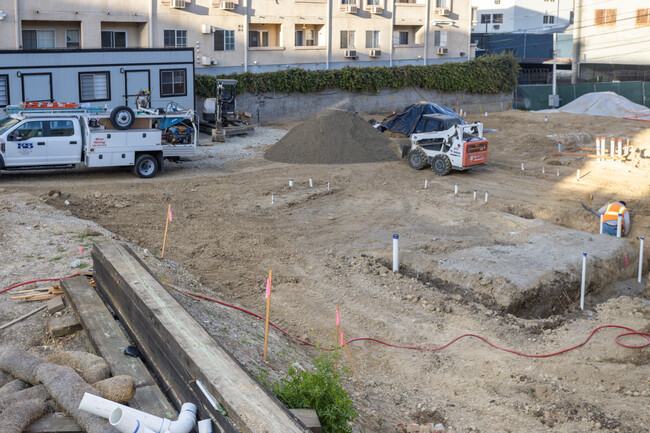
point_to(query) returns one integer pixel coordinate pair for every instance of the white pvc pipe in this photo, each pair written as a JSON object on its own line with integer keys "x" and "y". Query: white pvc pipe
{"x": 578, "y": 175}
{"x": 559, "y": 146}
{"x": 205, "y": 426}
{"x": 104, "y": 408}
{"x": 601, "y": 224}
{"x": 126, "y": 422}
{"x": 603, "y": 147}
{"x": 311, "y": 182}
{"x": 329, "y": 186}
{"x": 291, "y": 183}
{"x": 272, "y": 198}
{"x": 619, "y": 226}
{"x": 395, "y": 253}
{"x": 426, "y": 183}
{"x": 543, "y": 170}
{"x": 611, "y": 147}
{"x": 582, "y": 284}
{"x": 522, "y": 167}
{"x": 598, "y": 149}
{"x": 558, "y": 172}
{"x": 456, "y": 189}
{"x": 474, "y": 195}
{"x": 620, "y": 148}
{"x": 640, "y": 259}
{"x": 486, "y": 196}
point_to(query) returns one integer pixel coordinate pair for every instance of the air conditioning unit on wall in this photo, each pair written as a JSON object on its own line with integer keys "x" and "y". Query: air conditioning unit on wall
{"x": 228, "y": 6}
{"x": 442, "y": 50}
{"x": 443, "y": 11}
{"x": 207, "y": 61}
{"x": 375, "y": 53}
{"x": 350, "y": 54}
{"x": 351, "y": 9}
{"x": 377, "y": 10}
{"x": 206, "y": 29}
{"x": 177, "y": 4}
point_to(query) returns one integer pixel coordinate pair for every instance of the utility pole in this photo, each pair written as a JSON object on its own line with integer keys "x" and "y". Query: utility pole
{"x": 553, "y": 100}
{"x": 575, "y": 58}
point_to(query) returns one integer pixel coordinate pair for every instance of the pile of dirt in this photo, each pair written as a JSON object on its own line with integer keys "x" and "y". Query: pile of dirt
{"x": 601, "y": 104}
{"x": 332, "y": 137}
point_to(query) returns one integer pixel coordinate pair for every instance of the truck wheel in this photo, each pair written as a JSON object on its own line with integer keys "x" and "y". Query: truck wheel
{"x": 145, "y": 166}
{"x": 122, "y": 117}
{"x": 418, "y": 159}
{"x": 441, "y": 165}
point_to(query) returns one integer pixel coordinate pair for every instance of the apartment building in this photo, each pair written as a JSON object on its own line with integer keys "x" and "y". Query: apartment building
{"x": 250, "y": 35}
{"x": 521, "y": 16}
{"x": 611, "y": 36}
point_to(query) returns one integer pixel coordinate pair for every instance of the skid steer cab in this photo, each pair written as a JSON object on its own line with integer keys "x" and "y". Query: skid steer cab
{"x": 446, "y": 144}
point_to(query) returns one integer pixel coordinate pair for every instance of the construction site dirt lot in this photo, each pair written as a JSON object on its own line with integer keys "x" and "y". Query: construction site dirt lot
{"x": 462, "y": 261}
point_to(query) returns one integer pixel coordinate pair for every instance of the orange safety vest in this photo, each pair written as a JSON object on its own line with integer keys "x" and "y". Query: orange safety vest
{"x": 613, "y": 211}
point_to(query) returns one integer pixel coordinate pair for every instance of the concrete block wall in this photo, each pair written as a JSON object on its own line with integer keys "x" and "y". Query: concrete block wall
{"x": 275, "y": 107}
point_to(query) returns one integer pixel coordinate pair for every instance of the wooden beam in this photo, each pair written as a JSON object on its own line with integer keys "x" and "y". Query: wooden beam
{"x": 180, "y": 350}
{"x": 109, "y": 342}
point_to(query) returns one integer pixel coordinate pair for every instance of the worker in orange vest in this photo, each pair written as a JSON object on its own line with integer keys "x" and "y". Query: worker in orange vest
{"x": 610, "y": 214}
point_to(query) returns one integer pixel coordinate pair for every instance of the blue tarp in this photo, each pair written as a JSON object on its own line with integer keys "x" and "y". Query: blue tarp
{"x": 407, "y": 121}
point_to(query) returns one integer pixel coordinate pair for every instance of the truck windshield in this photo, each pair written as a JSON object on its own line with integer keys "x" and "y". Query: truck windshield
{"x": 7, "y": 123}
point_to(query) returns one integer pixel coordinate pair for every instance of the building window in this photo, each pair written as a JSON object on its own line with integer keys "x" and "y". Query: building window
{"x": 400, "y": 38}
{"x": 172, "y": 82}
{"x": 175, "y": 38}
{"x": 258, "y": 38}
{"x": 224, "y": 40}
{"x": 348, "y": 2}
{"x": 440, "y": 38}
{"x": 486, "y": 18}
{"x": 605, "y": 17}
{"x": 347, "y": 39}
{"x": 643, "y": 17}
{"x": 442, "y": 3}
{"x": 372, "y": 39}
{"x": 4, "y": 90}
{"x": 72, "y": 39}
{"x": 374, "y": 2}
{"x": 113, "y": 39}
{"x": 38, "y": 39}
{"x": 549, "y": 19}
{"x": 497, "y": 18}
{"x": 94, "y": 86}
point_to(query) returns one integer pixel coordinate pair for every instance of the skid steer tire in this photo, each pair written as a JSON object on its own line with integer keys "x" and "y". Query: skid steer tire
{"x": 418, "y": 159}
{"x": 122, "y": 117}
{"x": 441, "y": 165}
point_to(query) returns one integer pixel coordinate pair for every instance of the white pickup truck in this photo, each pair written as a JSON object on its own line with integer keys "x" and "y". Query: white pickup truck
{"x": 51, "y": 139}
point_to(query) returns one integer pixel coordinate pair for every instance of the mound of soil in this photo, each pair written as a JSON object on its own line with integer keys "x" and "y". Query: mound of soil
{"x": 332, "y": 137}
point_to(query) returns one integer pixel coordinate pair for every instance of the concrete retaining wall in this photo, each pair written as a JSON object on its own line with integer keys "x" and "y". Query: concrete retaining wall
{"x": 275, "y": 107}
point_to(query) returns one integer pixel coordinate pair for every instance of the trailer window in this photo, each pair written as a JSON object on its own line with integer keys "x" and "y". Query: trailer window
{"x": 4, "y": 90}
{"x": 61, "y": 128}
{"x": 172, "y": 82}
{"x": 94, "y": 86}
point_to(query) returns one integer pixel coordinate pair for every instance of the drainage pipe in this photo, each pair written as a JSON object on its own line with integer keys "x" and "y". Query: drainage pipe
{"x": 105, "y": 408}
{"x": 395, "y": 253}
{"x": 601, "y": 224}
{"x": 619, "y": 226}
{"x": 205, "y": 426}
{"x": 126, "y": 423}
{"x": 582, "y": 284}
{"x": 641, "y": 260}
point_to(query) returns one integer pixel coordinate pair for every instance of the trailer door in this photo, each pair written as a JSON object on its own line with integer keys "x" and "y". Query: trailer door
{"x": 134, "y": 81}
{"x": 37, "y": 87}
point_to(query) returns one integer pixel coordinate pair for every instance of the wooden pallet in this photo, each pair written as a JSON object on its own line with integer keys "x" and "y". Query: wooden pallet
{"x": 180, "y": 350}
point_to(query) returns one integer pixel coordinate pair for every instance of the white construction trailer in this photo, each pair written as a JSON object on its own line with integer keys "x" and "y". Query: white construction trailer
{"x": 98, "y": 77}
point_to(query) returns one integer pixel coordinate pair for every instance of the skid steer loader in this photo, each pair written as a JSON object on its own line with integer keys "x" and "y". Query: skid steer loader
{"x": 446, "y": 144}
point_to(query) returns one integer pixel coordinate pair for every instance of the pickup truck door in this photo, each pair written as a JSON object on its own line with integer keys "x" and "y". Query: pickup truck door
{"x": 26, "y": 145}
{"x": 63, "y": 141}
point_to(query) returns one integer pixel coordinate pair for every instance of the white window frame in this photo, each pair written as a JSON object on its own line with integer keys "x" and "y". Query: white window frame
{"x": 95, "y": 97}
{"x": 397, "y": 37}
{"x": 350, "y": 37}
{"x": 78, "y": 40}
{"x": 375, "y": 39}
{"x": 53, "y": 31}
{"x": 126, "y": 38}
{"x": 177, "y": 36}
{"x": 228, "y": 40}
{"x": 260, "y": 38}
{"x": 440, "y": 38}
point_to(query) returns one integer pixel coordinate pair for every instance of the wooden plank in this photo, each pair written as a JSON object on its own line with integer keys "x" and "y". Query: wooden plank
{"x": 309, "y": 417}
{"x": 57, "y": 422}
{"x": 55, "y": 305}
{"x": 109, "y": 342}
{"x": 176, "y": 344}
{"x": 63, "y": 325}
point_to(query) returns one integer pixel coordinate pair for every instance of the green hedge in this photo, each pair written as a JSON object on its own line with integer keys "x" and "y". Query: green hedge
{"x": 485, "y": 74}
